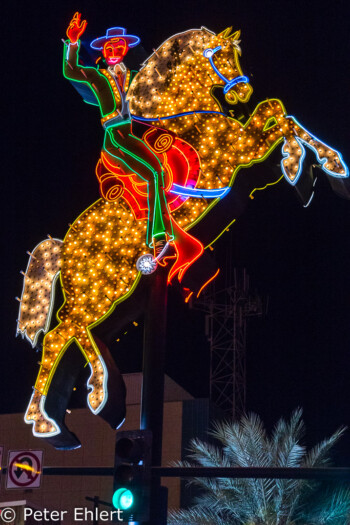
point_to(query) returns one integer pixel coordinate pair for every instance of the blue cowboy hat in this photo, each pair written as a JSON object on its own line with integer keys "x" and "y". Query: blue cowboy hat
{"x": 115, "y": 32}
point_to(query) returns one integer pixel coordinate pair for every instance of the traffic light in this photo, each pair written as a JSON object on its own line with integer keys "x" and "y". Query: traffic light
{"x": 132, "y": 474}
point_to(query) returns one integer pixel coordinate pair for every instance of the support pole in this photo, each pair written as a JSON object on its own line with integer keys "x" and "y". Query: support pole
{"x": 152, "y": 401}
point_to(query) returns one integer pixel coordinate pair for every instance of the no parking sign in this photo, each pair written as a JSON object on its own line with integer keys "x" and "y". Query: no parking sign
{"x": 24, "y": 469}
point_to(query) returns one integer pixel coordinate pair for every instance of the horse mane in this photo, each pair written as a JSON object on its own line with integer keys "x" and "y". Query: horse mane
{"x": 157, "y": 72}
{"x": 178, "y": 44}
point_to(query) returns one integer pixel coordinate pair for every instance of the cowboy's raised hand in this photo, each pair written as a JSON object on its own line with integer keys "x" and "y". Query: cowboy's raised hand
{"x": 76, "y": 28}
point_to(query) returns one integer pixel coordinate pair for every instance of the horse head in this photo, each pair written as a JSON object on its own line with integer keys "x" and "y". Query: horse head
{"x": 223, "y": 56}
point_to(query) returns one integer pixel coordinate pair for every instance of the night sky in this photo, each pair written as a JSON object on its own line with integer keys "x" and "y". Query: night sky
{"x": 298, "y": 354}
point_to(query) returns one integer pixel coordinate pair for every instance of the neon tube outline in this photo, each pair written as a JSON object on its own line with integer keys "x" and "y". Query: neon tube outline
{"x": 209, "y": 53}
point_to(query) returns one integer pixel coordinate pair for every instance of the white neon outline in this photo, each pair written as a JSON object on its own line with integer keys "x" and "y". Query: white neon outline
{"x": 309, "y": 201}
{"x": 43, "y": 412}
{"x": 285, "y": 155}
{"x": 209, "y": 52}
{"x": 322, "y": 161}
{"x": 52, "y": 301}
{"x": 159, "y": 257}
{"x": 121, "y": 424}
{"x": 91, "y": 388}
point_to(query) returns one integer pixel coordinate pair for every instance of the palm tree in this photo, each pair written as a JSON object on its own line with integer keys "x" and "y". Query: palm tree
{"x": 224, "y": 501}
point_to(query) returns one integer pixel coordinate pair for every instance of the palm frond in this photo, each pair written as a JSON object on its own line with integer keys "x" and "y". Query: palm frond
{"x": 318, "y": 455}
{"x": 245, "y": 443}
{"x": 197, "y": 516}
{"x": 332, "y": 508}
{"x": 207, "y": 455}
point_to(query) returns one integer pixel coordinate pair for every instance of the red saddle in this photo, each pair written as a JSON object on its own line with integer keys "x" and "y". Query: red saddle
{"x": 181, "y": 165}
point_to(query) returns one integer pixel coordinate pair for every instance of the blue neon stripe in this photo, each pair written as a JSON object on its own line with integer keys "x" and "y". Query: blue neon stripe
{"x": 177, "y": 115}
{"x": 211, "y": 60}
{"x": 196, "y": 192}
{"x": 235, "y": 81}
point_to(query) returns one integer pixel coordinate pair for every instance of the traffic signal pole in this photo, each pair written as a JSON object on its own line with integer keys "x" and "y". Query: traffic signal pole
{"x": 152, "y": 401}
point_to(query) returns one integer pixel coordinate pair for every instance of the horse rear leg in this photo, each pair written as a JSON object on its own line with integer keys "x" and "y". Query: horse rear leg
{"x": 54, "y": 346}
{"x": 97, "y": 383}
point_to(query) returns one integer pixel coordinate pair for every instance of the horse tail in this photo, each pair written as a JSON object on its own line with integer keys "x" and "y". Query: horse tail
{"x": 38, "y": 289}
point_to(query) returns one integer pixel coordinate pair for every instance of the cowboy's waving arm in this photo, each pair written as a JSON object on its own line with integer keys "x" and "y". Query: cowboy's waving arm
{"x": 75, "y": 71}
{"x": 71, "y": 68}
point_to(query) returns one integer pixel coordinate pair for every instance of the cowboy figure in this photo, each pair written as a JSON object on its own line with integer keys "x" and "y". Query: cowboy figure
{"x": 123, "y": 152}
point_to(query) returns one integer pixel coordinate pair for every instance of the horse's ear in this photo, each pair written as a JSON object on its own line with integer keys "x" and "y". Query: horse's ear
{"x": 236, "y": 35}
{"x": 225, "y": 33}
{"x": 235, "y": 41}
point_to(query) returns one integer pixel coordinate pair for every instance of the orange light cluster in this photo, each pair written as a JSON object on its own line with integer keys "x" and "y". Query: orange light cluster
{"x": 99, "y": 260}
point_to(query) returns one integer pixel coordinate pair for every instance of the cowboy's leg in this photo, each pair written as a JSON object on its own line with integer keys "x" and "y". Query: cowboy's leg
{"x": 154, "y": 175}
{"x": 140, "y": 159}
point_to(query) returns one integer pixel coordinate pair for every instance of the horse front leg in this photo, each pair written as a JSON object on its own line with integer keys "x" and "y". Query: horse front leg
{"x": 330, "y": 160}
{"x": 271, "y": 120}
{"x": 266, "y": 128}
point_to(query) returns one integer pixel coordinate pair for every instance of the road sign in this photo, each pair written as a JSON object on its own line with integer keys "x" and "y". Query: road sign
{"x": 24, "y": 469}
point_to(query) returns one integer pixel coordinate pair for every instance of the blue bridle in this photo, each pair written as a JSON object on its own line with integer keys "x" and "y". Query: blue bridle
{"x": 209, "y": 53}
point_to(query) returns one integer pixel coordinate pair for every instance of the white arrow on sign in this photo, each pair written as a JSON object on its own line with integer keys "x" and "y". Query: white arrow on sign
{"x": 24, "y": 469}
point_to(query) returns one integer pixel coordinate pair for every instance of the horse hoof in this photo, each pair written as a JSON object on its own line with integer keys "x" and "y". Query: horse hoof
{"x": 97, "y": 384}
{"x": 43, "y": 425}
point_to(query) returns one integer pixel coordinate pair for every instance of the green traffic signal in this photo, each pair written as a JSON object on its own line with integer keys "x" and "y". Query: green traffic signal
{"x": 132, "y": 474}
{"x": 123, "y": 499}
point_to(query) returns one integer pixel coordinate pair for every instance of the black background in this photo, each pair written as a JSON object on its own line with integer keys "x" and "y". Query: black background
{"x": 298, "y": 355}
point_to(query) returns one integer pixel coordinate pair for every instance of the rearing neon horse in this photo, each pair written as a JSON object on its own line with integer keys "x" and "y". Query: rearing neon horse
{"x": 182, "y": 92}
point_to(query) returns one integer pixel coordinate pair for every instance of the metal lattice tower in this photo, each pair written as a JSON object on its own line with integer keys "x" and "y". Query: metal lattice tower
{"x": 227, "y": 311}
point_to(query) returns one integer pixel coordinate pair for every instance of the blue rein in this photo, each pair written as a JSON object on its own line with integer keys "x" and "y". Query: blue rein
{"x": 209, "y": 53}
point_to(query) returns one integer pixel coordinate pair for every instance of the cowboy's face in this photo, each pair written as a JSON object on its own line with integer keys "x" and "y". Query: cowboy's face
{"x": 114, "y": 51}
